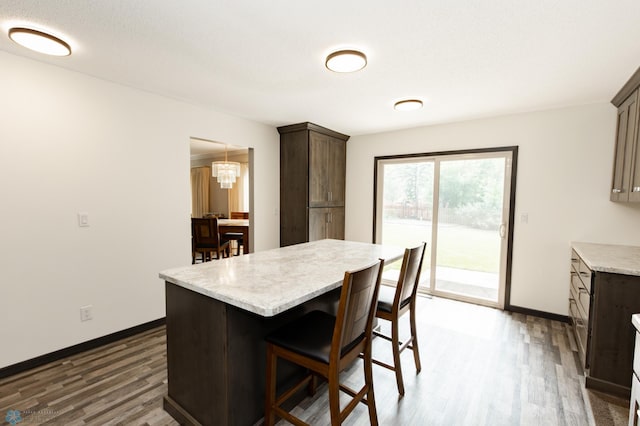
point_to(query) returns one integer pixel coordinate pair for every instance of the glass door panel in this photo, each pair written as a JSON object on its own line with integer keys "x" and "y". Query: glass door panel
{"x": 459, "y": 205}
{"x": 407, "y": 210}
{"x": 470, "y": 225}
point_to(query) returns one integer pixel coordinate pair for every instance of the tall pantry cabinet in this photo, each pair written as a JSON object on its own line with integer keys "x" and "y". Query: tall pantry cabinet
{"x": 312, "y": 183}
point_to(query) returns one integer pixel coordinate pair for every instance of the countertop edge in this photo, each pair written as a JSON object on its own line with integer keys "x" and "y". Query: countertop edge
{"x": 580, "y": 247}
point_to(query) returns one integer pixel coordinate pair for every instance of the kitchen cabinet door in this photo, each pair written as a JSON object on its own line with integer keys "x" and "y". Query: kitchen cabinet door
{"x": 327, "y": 168}
{"x": 625, "y": 135}
{"x": 326, "y": 222}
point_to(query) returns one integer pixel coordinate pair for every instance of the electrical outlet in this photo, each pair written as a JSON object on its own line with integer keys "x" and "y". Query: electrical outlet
{"x": 86, "y": 313}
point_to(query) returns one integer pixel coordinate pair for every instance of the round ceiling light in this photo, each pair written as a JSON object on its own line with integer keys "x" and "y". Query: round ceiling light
{"x": 40, "y": 42}
{"x": 346, "y": 61}
{"x": 408, "y": 105}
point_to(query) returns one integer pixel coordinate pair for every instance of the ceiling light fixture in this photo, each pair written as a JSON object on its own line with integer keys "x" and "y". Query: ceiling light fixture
{"x": 346, "y": 61}
{"x": 40, "y": 42}
{"x": 408, "y": 105}
{"x": 225, "y": 171}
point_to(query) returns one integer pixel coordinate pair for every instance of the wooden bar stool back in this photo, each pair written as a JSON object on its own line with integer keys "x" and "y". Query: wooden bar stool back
{"x": 393, "y": 303}
{"x": 326, "y": 345}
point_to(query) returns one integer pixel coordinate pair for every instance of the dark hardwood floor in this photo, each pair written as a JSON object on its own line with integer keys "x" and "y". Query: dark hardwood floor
{"x": 480, "y": 366}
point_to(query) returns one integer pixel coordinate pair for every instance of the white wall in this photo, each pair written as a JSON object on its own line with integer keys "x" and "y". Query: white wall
{"x": 70, "y": 143}
{"x": 564, "y": 174}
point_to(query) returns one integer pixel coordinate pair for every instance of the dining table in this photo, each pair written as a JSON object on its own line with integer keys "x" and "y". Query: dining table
{"x": 237, "y": 225}
{"x": 218, "y": 313}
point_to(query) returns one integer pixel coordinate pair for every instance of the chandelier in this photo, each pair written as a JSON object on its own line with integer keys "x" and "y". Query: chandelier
{"x": 225, "y": 171}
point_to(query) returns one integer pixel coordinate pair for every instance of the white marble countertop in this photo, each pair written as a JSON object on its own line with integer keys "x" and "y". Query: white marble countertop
{"x": 635, "y": 320}
{"x": 610, "y": 258}
{"x": 270, "y": 282}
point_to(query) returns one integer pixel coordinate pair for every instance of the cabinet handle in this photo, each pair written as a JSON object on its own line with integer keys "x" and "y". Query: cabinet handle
{"x": 616, "y": 191}
{"x": 328, "y": 217}
{"x": 574, "y": 259}
{"x": 582, "y": 290}
{"x": 574, "y": 273}
{"x": 585, "y": 274}
{"x": 330, "y": 196}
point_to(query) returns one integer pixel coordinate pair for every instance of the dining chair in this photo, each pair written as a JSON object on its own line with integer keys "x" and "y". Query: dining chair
{"x": 326, "y": 345}
{"x": 237, "y": 237}
{"x": 394, "y": 303}
{"x": 206, "y": 239}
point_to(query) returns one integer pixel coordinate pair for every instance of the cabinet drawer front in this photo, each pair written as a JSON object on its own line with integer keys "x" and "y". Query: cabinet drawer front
{"x": 580, "y": 326}
{"x": 584, "y": 301}
{"x": 585, "y": 275}
{"x": 575, "y": 261}
{"x": 583, "y": 298}
{"x": 636, "y": 355}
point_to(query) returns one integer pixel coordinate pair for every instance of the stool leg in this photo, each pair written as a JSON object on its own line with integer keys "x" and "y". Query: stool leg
{"x": 270, "y": 391}
{"x": 414, "y": 338}
{"x": 395, "y": 341}
{"x": 368, "y": 378}
{"x": 334, "y": 396}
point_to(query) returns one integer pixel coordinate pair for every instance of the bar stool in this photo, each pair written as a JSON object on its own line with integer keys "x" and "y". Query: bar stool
{"x": 392, "y": 304}
{"x": 326, "y": 345}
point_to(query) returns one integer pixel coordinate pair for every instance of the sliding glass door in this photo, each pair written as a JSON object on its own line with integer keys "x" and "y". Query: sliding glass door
{"x": 459, "y": 203}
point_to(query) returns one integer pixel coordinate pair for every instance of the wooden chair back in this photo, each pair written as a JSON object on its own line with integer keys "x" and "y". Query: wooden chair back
{"x": 409, "y": 274}
{"x": 356, "y": 310}
{"x": 205, "y": 232}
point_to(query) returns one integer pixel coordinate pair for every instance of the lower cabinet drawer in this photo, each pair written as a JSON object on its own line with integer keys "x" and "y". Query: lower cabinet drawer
{"x": 582, "y": 294}
{"x": 580, "y": 327}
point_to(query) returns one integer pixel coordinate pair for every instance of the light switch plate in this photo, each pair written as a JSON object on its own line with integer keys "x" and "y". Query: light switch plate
{"x": 83, "y": 219}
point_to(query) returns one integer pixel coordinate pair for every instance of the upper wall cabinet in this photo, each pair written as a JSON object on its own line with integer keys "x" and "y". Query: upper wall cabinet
{"x": 625, "y": 185}
{"x": 312, "y": 183}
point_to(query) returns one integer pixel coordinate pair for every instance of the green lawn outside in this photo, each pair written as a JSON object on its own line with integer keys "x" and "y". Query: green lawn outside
{"x": 458, "y": 246}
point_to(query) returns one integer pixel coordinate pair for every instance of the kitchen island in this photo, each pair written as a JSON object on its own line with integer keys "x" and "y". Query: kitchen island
{"x": 219, "y": 312}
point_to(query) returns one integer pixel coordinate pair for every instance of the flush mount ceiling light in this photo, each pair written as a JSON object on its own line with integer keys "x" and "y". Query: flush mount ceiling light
{"x": 408, "y": 105}
{"x": 346, "y": 61}
{"x": 40, "y": 42}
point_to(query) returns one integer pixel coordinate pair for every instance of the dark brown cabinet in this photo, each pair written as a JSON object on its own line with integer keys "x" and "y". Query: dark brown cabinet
{"x": 312, "y": 183}
{"x": 327, "y": 156}
{"x": 625, "y": 184}
{"x": 600, "y": 308}
{"x": 326, "y": 222}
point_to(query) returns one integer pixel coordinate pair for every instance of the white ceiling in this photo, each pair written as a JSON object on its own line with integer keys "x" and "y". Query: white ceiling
{"x": 264, "y": 60}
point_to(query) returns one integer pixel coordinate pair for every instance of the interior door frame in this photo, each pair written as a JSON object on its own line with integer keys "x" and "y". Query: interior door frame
{"x": 512, "y": 198}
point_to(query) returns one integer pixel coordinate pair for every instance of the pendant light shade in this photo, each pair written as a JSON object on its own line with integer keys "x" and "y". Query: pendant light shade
{"x": 225, "y": 171}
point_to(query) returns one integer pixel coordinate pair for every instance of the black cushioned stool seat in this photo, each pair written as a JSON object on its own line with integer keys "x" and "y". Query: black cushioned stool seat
{"x": 309, "y": 336}
{"x": 385, "y": 299}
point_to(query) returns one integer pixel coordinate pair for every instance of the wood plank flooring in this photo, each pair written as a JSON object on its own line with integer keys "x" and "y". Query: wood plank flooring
{"x": 480, "y": 366}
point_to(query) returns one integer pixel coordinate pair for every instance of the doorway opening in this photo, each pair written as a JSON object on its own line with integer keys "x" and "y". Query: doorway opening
{"x": 208, "y": 197}
{"x": 461, "y": 204}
